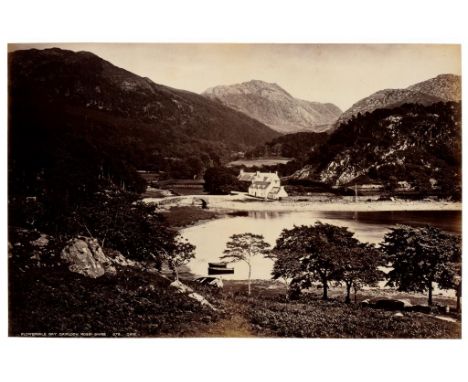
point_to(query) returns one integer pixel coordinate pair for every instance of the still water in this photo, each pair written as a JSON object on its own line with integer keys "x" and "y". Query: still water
{"x": 210, "y": 238}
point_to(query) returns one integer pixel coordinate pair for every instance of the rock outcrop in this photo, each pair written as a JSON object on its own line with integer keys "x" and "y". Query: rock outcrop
{"x": 117, "y": 258}
{"x": 414, "y": 144}
{"x": 186, "y": 290}
{"x": 41, "y": 242}
{"x": 84, "y": 255}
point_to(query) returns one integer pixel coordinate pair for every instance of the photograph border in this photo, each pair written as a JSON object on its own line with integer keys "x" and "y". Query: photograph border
{"x": 209, "y": 21}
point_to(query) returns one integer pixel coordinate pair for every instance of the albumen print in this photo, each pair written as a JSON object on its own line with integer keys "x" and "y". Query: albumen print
{"x": 234, "y": 190}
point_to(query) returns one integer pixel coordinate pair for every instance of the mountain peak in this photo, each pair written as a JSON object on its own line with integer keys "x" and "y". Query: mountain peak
{"x": 262, "y": 83}
{"x": 449, "y": 76}
{"x": 259, "y": 87}
{"x": 444, "y": 87}
{"x": 258, "y": 82}
{"x": 271, "y": 104}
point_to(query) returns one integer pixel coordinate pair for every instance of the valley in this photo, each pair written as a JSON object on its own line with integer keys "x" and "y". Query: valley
{"x": 121, "y": 191}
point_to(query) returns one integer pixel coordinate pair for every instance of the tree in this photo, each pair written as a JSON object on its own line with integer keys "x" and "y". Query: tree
{"x": 450, "y": 277}
{"x": 183, "y": 252}
{"x": 288, "y": 267}
{"x": 320, "y": 249}
{"x": 420, "y": 257}
{"x": 243, "y": 247}
{"x": 121, "y": 222}
{"x": 360, "y": 267}
{"x": 220, "y": 180}
{"x": 196, "y": 166}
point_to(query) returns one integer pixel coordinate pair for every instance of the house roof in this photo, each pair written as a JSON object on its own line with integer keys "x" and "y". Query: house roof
{"x": 267, "y": 176}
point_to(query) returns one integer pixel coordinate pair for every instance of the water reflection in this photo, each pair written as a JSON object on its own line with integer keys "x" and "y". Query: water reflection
{"x": 449, "y": 221}
{"x": 210, "y": 238}
{"x": 265, "y": 214}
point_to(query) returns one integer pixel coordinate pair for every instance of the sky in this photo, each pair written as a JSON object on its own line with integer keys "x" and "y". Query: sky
{"x": 338, "y": 73}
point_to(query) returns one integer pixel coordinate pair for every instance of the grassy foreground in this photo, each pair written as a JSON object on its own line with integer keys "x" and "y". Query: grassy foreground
{"x": 333, "y": 319}
{"x": 270, "y": 315}
{"x": 136, "y": 303}
{"x": 133, "y": 303}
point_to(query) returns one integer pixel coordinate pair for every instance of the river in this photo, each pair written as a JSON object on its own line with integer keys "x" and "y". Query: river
{"x": 210, "y": 237}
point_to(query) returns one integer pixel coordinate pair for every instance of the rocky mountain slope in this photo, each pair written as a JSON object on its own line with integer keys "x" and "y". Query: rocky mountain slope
{"x": 273, "y": 106}
{"x": 445, "y": 87}
{"x": 414, "y": 143}
{"x": 78, "y": 109}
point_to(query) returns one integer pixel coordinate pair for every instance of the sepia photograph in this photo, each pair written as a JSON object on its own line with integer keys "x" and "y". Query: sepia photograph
{"x": 226, "y": 190}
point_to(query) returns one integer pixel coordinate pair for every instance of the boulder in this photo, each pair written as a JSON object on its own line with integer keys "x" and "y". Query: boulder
{"x": 85, "y": 256}
{"x": 398, "y": 315}
{"x": 117, "y": 258}
{"x": 202, "y": 300}
{"x": 406, "y": 303}
{"x": 387, "y": 304}
{"x": 40, "y": 247}
{"x": 184, "y": 289}
{"x": 111, "y": 270}
{"x": 446, "y": 318}
{"x": 420, "y": 309}
{"x": 211, "y": 281}
{"x": 41, "y": 241}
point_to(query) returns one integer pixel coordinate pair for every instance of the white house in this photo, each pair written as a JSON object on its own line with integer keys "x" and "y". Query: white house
{"x": 266, "y": 185}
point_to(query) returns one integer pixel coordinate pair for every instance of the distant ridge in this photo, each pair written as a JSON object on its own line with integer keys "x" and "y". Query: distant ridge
{"x": 84, "y": 79}
{"x": 272, "y": 105}
{"x": 444, "y": 87}
{"x": 79, "y": 107}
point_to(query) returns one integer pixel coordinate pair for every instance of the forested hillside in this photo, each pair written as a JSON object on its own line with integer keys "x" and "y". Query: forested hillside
{"x": 414, "y": 143}
{"x": 75, "y": 118}
{"x": 297, "y": 145}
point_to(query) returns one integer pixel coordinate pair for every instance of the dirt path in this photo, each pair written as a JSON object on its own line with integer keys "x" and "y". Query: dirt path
{"x": 233, "y": 325}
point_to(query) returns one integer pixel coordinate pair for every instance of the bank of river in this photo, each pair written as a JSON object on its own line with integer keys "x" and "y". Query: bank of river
{"x": 242, "y": 202}
{"x": 210, "y": 237}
